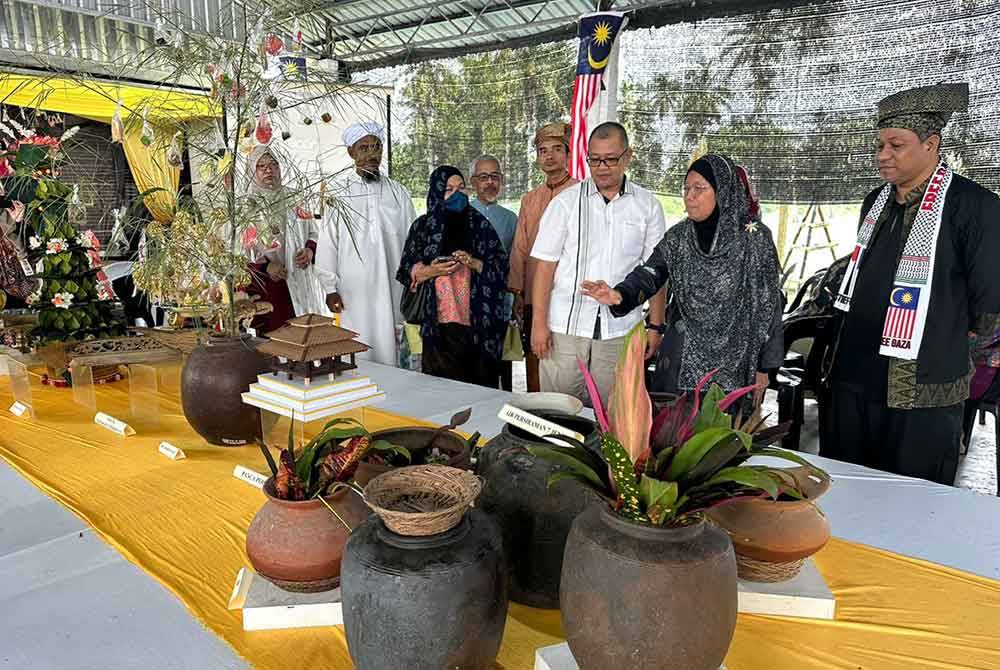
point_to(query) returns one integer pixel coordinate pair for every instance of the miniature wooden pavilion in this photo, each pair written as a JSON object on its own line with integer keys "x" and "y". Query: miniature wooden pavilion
{"x": 312, "y": 345}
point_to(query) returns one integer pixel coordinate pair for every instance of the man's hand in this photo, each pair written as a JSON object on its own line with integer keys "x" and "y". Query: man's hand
{"x": 762, "y": 380}
{"x": 653, "y": 340}
{"x": 601, "y": 292}
{"x": 276, "y": 271}
{"x": 334, "y": 303}
{"x": 519, "y": 310}
{"x": 303, "y": 257}
{"x": 541, "y": 340}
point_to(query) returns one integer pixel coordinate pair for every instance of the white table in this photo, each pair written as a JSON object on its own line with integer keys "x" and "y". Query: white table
{"x": 69, "y": 601}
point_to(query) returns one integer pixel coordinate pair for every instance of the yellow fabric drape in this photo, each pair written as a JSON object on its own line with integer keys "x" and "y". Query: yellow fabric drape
{"x": 151, "y": 171}
{"x": 94, "y": 99}
{"x": 184, "y": 522}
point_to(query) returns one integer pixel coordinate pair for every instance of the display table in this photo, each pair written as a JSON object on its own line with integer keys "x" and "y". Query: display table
{"x": 70, "y": 601}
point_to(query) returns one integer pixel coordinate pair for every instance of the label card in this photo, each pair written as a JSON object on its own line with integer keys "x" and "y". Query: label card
{"x": 114, "y": 425}
{"x": 249, "y": 476}
{"x": 171, "y": 452}
{"x": 18, "y": 409}
{"x": 536, "y": 425}
{"x": 240, "y": 589}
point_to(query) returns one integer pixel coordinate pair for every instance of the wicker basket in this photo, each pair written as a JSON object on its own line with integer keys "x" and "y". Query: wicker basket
{"x": 752, "y": 570}
{"x": 420, "y": 500}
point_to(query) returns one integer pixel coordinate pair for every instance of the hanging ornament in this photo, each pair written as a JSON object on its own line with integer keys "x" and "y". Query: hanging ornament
{"x": 160, "y": 32}
{"x": 147, "y": 136}
{"x": 273, "y": 45}
{"x": 75, "y": 200}
{"x": 297, "y": 44}
{"x": 206, "y": 170}
{"x": 307, "y": 121}
{"x": 263, "y": 132}
{"x": 225, "y": 163}
{"x": 117, "y": 126}
{"x": 175, "y": 152}
{"x": 180, "y": 40}
{"x": 326, "y": 117}
{"x": 285, "y": 134}
{"x": 271, "y": 101}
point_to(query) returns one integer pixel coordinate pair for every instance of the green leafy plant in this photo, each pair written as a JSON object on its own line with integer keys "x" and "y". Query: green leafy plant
{"x": 667, "y": 469}
{"x": 328, "y": 460}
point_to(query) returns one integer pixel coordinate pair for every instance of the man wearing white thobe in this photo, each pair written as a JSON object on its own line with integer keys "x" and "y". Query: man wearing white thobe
{"x": 361, "y": 241}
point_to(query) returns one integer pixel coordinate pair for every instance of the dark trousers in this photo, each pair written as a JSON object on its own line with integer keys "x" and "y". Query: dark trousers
{"x": 507, "y": 375}
{"x": 453, "y": 355}
{"x": 920, "y": 443}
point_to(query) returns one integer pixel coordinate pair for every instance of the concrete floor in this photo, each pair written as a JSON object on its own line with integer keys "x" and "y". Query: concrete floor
{"x": 977, "y": 470}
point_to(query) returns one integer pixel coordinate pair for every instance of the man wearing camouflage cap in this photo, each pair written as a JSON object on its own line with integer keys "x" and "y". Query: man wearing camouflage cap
{"x": 920, "y": 299}
{"x": 552, "y": 154}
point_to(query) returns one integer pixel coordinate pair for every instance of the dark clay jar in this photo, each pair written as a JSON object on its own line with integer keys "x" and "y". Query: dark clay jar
{"x": 425, "y": 603}
{"x": 645, "y": 597}
{"x": 535, "y": 518}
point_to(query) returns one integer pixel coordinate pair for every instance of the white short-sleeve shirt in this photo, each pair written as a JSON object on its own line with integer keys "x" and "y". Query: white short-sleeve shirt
{"x": 592, "y": 239}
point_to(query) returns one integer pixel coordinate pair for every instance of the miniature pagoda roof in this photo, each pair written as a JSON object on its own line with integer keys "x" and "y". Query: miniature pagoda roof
{"x": 311, "y": 337}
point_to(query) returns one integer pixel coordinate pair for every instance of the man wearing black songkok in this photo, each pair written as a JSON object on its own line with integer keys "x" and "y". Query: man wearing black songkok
{"x": 920, "y": 299}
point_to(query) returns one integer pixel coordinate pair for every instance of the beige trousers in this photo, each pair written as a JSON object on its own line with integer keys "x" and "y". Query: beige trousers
{"x": 561, "y": 373}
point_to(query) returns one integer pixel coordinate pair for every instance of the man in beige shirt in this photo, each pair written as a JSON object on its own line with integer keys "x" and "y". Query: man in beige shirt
{"x": 552, "y": 151}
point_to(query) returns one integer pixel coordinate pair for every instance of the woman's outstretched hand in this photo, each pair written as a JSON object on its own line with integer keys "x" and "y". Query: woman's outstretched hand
{"x": 601, "y": 292}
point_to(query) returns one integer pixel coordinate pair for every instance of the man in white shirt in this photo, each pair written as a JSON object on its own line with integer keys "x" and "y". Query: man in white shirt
{"x": 605, "y": 225}
{"x": 361, "y": 242}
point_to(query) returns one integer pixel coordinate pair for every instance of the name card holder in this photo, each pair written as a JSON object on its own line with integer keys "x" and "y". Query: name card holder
{"x": 536, "y": 425}
{"x": 249, "y": 476}
{"x": 171, "y": 452}
{"x": 19, "y": 408}
{"x": 20, "y": 386}
{"x": 116, "y": 426}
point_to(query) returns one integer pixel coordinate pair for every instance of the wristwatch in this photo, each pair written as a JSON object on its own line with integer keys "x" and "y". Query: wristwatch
{"x": 661, "y": 328}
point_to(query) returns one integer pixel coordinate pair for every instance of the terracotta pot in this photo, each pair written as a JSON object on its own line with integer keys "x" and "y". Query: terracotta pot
{"x": 535, "y": 518}
{"x": 778, "y": 531}
{"x": 415, "y": 439}
{"x": 214, "y": 377}
{"x": 298, "y": 545}
{"x": 647, "y": 598}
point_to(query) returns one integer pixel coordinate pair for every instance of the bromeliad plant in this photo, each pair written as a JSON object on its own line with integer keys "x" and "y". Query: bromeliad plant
{"x": 691, "y": 456}
{"x": 327, "y": 462}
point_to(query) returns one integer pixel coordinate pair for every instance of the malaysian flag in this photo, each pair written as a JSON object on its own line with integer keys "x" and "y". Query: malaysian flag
{"x": 597, "y": 34}
{"x": 902, "y": 313}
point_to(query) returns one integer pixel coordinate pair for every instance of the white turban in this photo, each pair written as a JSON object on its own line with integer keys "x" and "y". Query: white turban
{"x": 359, "y": 130}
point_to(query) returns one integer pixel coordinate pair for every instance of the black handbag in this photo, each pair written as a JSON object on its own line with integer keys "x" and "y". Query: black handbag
{"x": 412, "y": 303}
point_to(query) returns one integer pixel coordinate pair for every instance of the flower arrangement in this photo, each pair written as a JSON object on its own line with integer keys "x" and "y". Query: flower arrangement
{"x": 668, "y": 469}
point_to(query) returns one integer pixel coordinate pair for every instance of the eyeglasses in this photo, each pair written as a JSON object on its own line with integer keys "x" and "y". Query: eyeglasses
{"x": 696, "y": 191}
{"x": 489, "y": 176}
{"x": 594, "y": 161}
{"x": 267, "y": 167}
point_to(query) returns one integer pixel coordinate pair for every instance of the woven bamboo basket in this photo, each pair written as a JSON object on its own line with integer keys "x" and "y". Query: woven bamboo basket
{"x": 421, "y": 500}
{"x": 753, "y": 570}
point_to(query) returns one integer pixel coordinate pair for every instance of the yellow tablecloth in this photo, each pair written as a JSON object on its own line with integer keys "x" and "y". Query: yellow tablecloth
{"x": 184, "y": 522}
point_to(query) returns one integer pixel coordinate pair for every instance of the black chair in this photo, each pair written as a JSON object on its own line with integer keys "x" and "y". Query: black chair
{"x": 988, "y": 404}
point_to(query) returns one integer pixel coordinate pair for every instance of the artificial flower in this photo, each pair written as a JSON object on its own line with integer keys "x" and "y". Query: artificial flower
{"x": 56, "y": 245}
{"x": 34, "y": 242}
{"x": 62, "y": 300}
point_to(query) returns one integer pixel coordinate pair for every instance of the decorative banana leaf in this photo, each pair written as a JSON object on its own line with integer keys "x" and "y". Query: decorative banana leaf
{"x": 629, "y": 409}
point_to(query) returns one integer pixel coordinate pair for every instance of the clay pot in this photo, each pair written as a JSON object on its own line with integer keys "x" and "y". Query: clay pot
{"x": 215, "y": 376}
{"x": 535, "y": 518}
{"x": 777, "y": 532}
{"x": 298, "y": 544}
{"x": 425, "y": 603}
{"x": 646, "y": 598}
{"x": 415, "y": 439}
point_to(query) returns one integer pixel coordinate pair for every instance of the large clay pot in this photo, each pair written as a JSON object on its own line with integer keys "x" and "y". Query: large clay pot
{"x": 645, "y": 597}
{"x": 776, "y": 531}
{"x": 415, "y": 439}
{"x": 214, "y": 377}
{"x": 425, "y": 603}
{"x": 535, "y": 518}
{"x": 298, "y": 544}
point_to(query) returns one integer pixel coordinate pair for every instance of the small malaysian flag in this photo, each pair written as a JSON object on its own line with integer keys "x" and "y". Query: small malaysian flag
{"x": 597, "y": 35}
{"x": 902, "y": 313}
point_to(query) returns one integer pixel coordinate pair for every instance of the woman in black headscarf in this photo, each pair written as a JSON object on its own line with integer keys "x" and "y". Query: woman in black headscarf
{"x": 456, "y": 247}
{"x": 723, "y": 273}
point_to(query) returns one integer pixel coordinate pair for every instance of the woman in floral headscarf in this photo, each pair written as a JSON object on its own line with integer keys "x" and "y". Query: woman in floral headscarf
{"x": 723, "y": 273}
{"x": 464, "y": 319}
{"x": 281, "y": 258}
